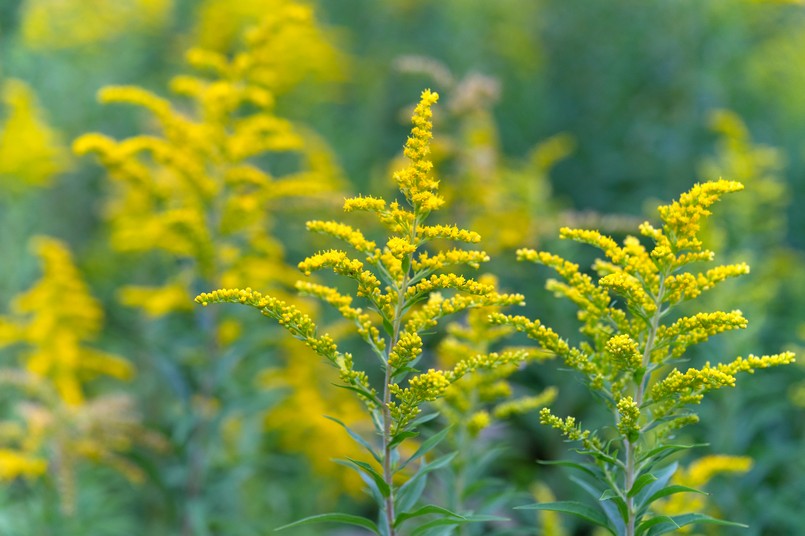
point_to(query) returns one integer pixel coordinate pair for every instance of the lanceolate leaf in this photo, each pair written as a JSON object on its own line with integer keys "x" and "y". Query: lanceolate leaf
{"x": 666, "y": 491}
{"x": 399, "y": 438}
{"x": 665, "y": 524}
{"x": 573, "y": 465}
{"x": 426, "y": 446}
{"x": 354, "y": 435}
{"x": 577, "y": 509}
{"x": 370, "y": 471}
{"x": 426, "y": 510}
{"x": 641, "y": 482}
{"x": 346, "y": 519}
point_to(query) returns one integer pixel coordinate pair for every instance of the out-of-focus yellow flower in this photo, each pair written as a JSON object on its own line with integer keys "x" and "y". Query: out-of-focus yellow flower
{"x": 31, "y": 153}
{"x": 54, "y": 320}
{"x": 287, "y": 42}
{"x": 14, "y": 464}
{"x": 697, "y": 475}
{"x": 55, "y": 24}
{"x": 196, "y": 190}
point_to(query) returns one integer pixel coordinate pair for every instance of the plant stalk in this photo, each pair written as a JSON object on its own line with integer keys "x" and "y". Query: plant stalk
{"x": 629, "y": 447}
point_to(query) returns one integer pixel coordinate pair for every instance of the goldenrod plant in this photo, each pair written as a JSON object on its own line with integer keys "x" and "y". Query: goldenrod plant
{"x": 635, "y": 342}
{"x": 205, "y": 192}
{"x": 405, "y": 291}
{"x": 58, "y": 423}
{"x": 59, "y": 24}
{"x": 482, "y": 400}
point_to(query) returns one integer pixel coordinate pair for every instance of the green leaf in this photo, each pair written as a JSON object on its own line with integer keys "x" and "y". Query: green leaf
{"x": 370, "y": 471}
{"x": 388, "y": 327}
{"x": 670, "y": 490}
{"x": 427, "y": 446}
{"x": 422, "y": 419}
{"x": 425, "y": 510}
{"x": 354, "y": 435}
{"x": 665, "y": 524}
{"x": 577, "y": 509}
{"x": 660, "y": 453}
{"x": 424, "y": 529}
{"x": 335, "y": 517}
{"x": 410, "y": 492}
{"x": 400, "y": 437}
{"x": 573, "y": 465}
{"x": 641, "y": 482}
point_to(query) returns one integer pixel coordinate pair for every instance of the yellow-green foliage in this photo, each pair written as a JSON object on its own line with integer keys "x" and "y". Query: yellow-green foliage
{"x": 58, "y": 423}
{"x": 633, "y": 340}
{"x": 31, "y": 153}
{"x": 403, "y": 295}
{"x": 55, "y": 24}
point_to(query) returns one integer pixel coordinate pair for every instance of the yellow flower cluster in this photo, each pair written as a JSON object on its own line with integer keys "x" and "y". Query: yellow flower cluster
{"x": 630, "y": 341}
{"x": 415, "y": 181}
{"x": 624, "y": 352}
{"x": 194, "y": 189}
{"x": 628, "y": 417}
{"x": 55, "y": 24}
{"x": 31, "y": 153}
{"x": 568, "y": 426}
{"x": 52, "y": 322}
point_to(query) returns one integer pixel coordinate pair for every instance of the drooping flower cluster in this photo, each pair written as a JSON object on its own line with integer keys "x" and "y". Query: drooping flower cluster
{"x": 634, "y": 344}
{"x": 405, "y": 290}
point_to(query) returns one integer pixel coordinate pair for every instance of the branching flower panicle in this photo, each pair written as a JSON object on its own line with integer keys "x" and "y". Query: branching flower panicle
{"x": 405, "y": 290}
{"x": 632, "y": 349}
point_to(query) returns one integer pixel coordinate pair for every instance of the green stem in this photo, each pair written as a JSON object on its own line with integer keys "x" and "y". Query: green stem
{"x": 388, "y": 473}
{"x": 629, "y": 447}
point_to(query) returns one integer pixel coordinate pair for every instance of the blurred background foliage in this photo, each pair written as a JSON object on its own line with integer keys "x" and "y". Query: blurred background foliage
{"x": 554, "y": 112}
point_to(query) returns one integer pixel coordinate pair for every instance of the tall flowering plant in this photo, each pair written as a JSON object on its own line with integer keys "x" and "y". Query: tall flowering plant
{"x": 405, "y": 291}
{"x": 635, "y": 340}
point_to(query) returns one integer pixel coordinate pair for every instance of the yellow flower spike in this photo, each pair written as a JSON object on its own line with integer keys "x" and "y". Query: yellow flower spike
{"x": 624, "y": 352}
{"x": 629, "y": 415}
{"x": 682, "y": 219}
{"x": 344, "y": 232}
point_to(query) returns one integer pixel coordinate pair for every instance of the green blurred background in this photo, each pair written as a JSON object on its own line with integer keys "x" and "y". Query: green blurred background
{"x": 633, "y": 85}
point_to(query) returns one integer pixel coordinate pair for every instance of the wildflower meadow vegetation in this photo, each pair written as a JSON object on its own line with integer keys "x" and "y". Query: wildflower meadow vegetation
{"x": 402, "y": 268}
